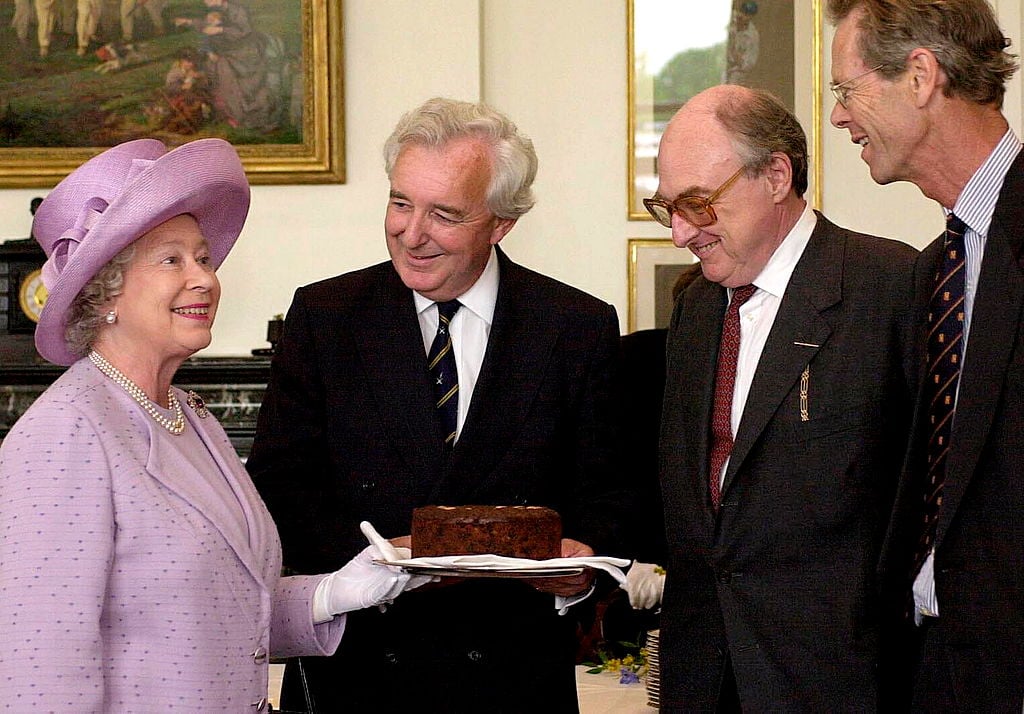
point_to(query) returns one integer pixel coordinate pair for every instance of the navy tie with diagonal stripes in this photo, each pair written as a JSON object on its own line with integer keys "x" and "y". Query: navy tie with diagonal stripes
{"x": 945, "y": 348}
{"x": 443, "y": 373}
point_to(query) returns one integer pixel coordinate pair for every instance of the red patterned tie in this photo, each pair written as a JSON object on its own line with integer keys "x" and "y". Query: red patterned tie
{"x": 945, "y": 345}
{"x": 725, "y": 383}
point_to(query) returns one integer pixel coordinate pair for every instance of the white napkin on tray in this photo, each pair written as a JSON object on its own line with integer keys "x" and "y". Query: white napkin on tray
{"x": 612, "y": 566}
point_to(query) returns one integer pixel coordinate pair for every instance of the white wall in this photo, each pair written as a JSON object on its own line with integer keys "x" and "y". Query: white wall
{"x": 559, "y": 70}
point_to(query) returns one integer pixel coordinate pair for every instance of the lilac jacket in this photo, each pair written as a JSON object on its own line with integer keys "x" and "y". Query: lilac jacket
{"x": 124, "y": 584}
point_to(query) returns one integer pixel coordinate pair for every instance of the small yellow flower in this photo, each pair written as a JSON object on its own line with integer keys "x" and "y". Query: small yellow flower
{"x": 631, "y": 664}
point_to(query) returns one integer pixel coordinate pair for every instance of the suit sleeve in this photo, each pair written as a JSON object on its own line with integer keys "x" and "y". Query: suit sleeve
{"x": 56, "y": 550}
{"x": 292, "y": 632}
{"x": 602, "y": 499}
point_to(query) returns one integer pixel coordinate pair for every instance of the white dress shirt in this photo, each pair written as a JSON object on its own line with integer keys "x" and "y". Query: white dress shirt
{"x": 469, "y": 329}
{"x": 757, "y": 315}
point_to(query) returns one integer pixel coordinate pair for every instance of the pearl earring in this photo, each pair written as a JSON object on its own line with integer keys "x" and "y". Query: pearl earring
{"x": 110, "y": 317}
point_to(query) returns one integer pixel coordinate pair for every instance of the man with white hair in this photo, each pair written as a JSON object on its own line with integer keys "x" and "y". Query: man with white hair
{"x": 356, "y": 424}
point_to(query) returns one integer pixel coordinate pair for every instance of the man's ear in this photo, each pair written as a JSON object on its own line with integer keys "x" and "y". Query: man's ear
{"x": 780, "y": 176}
{"x": 501, "y": 229}
{"x": 926, "y": 75}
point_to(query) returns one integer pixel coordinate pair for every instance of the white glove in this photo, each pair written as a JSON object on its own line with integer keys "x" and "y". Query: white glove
{"x": 393, "y": 553}
{"x": 645, "y": 583}
{"x": 364, "y": 583}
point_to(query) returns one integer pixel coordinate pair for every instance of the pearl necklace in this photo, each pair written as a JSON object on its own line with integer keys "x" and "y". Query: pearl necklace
{"x": 175, "y": 426}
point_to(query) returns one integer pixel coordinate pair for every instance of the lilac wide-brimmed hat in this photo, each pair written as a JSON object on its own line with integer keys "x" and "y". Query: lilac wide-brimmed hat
{"x": 112, "y": 199}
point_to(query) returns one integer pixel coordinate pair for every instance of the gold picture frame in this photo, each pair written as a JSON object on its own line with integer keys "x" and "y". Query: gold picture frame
{"x": 654, "y": 266}
{"x": 311, "y": 152}
{"x": 646, "y": 117}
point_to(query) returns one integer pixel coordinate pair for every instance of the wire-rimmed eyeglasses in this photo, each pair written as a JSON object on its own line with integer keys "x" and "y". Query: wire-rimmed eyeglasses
{"x": 695, "y": 210}
{"x": 841, "y": 90}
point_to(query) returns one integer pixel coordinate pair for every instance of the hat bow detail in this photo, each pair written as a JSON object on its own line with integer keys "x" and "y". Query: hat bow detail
{"x": 66, "y": 245}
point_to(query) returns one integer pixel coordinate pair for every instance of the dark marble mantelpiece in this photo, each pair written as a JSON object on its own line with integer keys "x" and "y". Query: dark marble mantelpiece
{"x": 232, "y": 388}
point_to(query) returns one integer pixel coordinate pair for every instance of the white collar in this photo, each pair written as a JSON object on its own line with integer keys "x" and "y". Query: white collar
{"x": 776, "y": 273}
{"x": 479, "y": 299}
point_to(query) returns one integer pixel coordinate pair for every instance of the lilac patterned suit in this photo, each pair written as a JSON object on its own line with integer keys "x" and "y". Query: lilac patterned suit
{"x": 129, "y": 579}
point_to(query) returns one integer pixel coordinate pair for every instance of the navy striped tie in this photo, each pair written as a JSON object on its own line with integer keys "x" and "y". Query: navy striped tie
{"x": 945, "y": 347}
{"x": 443, "y": 373}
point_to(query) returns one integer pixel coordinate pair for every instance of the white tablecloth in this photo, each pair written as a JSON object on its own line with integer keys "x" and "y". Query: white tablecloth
{"x": 276, "y": 673}
{"x": 598, "y": 693}
{"x": 602, "y": 694}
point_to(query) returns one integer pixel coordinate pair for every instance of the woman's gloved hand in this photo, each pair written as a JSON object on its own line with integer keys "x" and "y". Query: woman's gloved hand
{"x": 364, "y": 583}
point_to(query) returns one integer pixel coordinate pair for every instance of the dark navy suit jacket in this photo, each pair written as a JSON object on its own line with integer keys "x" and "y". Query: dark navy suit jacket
{"x": 348, "y": 432}
{"x": 979, "y": 541}
{"x": 782, "y": 579}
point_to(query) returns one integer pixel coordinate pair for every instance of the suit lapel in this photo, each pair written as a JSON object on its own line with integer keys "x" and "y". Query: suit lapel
{"x": 261, "y": 532}
{"x": 998, "y": 305}
{"x": 797, "y": 334}
{"x": 196, "y": 490}
{"x": 519, "y": 350}
{"x": 390, "y": 346}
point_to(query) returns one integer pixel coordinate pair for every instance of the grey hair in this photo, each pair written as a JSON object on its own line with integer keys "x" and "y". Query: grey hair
{"x": 964, "y": 35}
{"x": 760, "y": 125}
{"x": 439, "y": 121}
{"x": 85, "y": 316}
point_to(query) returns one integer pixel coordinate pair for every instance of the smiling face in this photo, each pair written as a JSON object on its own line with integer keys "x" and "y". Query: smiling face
{"x": 879, "y": 112}
{"x": 438, "y": 226}
{"x": 169, "y": 298}
{"x": 695, "y": 158}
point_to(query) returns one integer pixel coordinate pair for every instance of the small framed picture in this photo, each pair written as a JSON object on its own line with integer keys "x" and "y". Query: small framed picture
{"x": 655, "y": 265}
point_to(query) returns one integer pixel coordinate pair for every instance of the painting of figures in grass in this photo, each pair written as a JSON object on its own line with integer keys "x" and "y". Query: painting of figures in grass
{"x": 77, "y": 76}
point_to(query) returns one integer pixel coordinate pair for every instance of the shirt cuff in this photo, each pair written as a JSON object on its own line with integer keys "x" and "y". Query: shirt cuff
{"x": 563, "y": 602}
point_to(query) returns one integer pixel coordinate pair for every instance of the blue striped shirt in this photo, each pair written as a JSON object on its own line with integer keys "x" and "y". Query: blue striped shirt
{"x": 975, "y": 206}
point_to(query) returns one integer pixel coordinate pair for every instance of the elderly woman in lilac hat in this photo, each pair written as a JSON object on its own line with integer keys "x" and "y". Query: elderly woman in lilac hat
{"x": 139, "y": 569}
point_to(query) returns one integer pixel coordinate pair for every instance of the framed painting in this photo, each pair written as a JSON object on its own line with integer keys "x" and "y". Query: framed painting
{"x": 655, "y": 265}
{"x": 265, "y": 75}
{"x": 677, "y": 49}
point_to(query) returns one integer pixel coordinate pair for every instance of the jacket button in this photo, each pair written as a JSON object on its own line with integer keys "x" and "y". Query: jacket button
{"x": 260, "y": 705}
{"x": 475, "y": 655}
{"x": 260, "y": 655}
{"x": 391, "y": 658}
